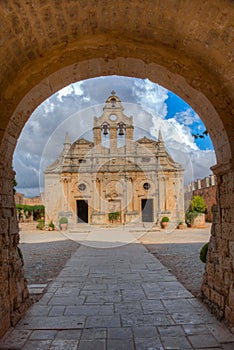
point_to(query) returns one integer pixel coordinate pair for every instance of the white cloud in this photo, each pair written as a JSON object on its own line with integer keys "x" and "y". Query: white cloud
{"x": 151, "y": 96}
{"x": 174, "y": 133}
{"x": 182, "y": 147}
{"x": 196, "y": 163}
{"x": 73, "y": 89}
{"x": 187, "y": 117}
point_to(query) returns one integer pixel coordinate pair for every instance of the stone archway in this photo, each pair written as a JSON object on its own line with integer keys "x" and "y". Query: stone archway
{"x": 185, "y": 47}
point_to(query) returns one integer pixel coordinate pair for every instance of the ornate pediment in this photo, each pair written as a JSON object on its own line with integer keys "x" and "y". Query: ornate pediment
{"x": 82, "y": 141}
{"x": 145, "y": 140}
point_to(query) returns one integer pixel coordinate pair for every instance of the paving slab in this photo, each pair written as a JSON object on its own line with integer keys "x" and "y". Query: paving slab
{"x": 120, "y": 344}
{"x": 36, "y": 288}
{"x": 43, "y": 322}
{"x": 120, "y": 333}
{"x": 43, "y": 335}
{"x": 98, "y": 344}
{"x": 37, "y": 345}
{"x": 61, "y": 344}
{"x": 176, "y": 342}
{"x": 117, "y": 298}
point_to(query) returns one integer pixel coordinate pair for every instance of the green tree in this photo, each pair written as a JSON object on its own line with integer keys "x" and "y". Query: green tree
{"x": 38, "y": 211}
{"x": 198, "y": 204}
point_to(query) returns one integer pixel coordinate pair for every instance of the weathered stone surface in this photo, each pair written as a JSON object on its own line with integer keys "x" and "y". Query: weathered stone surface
{"x": 218, "y": 278}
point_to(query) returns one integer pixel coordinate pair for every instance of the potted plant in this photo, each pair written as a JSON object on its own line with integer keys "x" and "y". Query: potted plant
{"x": 41, "y": 224}
{"x": 63, "y": 221}
{"x": 195, "y": 216}
{"x": 180, "y": 225}
{"x": 51, "y": 226}
{"x": 114, "y": 216}
{"x": 164, "y": 221}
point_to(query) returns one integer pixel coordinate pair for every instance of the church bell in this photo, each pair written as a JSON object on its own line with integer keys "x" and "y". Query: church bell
{"x": 105, "y": 131}
{"x": 121, "y": 128}
{"x": 121, "y": 132}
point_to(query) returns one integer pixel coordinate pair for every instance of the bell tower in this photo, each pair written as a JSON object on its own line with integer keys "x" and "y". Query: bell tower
{"x": 114, "y": 123}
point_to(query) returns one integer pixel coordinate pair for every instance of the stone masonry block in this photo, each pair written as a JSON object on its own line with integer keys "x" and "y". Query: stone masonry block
{"x": 217, "y": 298}
{"x": 229, "y": 314}
{"x": 231, "y": 250}
{"x": 210, "y": 269}
{"x": 227, "y": 280}
{"x": 206, "y": 290}
{"x": 4, "y": 225}
{"x": 231, "y": 296}
{"x": 224, "y": 201}
{"x": 227, "y": 230}
{"x": 226, "y": 215}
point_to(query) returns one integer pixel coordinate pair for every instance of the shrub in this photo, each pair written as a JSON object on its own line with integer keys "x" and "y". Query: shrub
{"x": 63, "y": 220}
{"x": 190, "y": 216}
{"x": 198, "y": 204}
{"x": 165, "y": 219}
{"x": 114, "y": 216}
{"x": 51, "y": 225}
{"x": 203, "y": 253}
{"x": 41, "y": 224}
{"x": 38, "y": 211}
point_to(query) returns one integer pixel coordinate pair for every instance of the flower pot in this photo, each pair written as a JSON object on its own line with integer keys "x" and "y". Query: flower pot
{"x": 181, "y": 226}
{"x": 164, "y": 224}
{"x": 63, "y": 227}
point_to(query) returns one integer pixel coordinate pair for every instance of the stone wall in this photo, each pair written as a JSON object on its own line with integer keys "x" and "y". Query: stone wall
{"x": 206, "y": 188}
{"x": 218, "y": 281}
{"x": 14, "y": 296}
{"x": 21, "y": 199}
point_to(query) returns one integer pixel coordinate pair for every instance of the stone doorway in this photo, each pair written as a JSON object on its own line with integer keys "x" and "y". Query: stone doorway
{"x": 147, "y": 210}
{"x": 82, "y": 211}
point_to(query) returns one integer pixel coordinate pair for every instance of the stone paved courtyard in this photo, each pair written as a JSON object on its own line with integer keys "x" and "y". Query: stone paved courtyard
{"x": 45, "y": 253}
{"x": 117, "y": 298}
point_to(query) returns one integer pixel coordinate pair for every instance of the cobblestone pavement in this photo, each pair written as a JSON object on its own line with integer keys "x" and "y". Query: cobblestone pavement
{"x": 113, "y": 299}
{"x": 43, "y": 260}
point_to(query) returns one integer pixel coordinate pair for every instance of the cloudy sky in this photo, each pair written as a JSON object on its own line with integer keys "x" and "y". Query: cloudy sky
{"x": 72, "y": 109}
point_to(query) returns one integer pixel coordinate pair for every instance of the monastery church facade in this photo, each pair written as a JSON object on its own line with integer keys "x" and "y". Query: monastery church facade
{"x": 114, "y": 182}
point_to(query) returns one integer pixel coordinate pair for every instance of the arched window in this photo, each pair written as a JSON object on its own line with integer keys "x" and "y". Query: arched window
{"x": 121, "y": 134}
{"x": 113, "y": 102}
{"x": 121, "y": 129}
{"x": 105, "y": 134}
{"x": 105, "y": 128}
